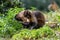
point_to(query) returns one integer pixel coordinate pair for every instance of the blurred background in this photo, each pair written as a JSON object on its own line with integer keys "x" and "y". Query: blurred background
{"x": 27, "y": 4}
{"x": 10, "y": 29}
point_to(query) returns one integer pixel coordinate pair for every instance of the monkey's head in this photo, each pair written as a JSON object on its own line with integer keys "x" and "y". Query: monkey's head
{"x": 24, "y": 17}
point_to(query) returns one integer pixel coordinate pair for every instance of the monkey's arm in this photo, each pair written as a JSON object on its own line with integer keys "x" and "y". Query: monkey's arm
{"x": 34, "y": 23}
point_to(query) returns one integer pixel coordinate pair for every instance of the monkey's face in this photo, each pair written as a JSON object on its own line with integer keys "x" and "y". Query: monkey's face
{"x": 25, "y": 21}
{"x": 27, "y": 17}
{"x": 24, "y": 18}
{"x": 27, "y": 14}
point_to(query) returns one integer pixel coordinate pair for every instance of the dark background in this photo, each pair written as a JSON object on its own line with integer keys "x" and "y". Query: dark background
{"x": 27, "y": 4}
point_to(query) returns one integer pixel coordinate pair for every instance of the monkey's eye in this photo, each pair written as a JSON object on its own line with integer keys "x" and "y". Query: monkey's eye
{"x": 28, "y": 16}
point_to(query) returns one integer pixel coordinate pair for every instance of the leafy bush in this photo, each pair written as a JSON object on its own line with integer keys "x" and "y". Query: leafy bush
{"x": 33, "y": 34}
{"x": 8, "y": 25}
{"x": 54, "y": 16}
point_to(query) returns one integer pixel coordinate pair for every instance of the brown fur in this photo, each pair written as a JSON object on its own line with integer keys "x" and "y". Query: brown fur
{"x": 53, "y": 6}
{"x": 35, "y": 18}
{"x": 40, "y": 18}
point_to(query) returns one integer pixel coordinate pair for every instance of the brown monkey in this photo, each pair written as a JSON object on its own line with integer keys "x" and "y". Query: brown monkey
{"x": 53, "y": 6}
{"x": 31, "y": 19}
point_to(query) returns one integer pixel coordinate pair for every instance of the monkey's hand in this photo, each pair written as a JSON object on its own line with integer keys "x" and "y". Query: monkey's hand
{"x": 33, "y": 25}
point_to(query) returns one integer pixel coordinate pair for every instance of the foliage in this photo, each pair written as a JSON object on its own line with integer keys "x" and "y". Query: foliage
{"x": 33, "y": 34}
{"x": 8, "y": 24}
{"x": 10, "y": 27}
{"x": 53, "y": 16}
{"x": 39, "y": 4}
{"x": 6, "y": 4}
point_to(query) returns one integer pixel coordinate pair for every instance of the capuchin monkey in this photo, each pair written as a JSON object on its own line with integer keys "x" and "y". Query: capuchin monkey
{"x": 31, "y": 19}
